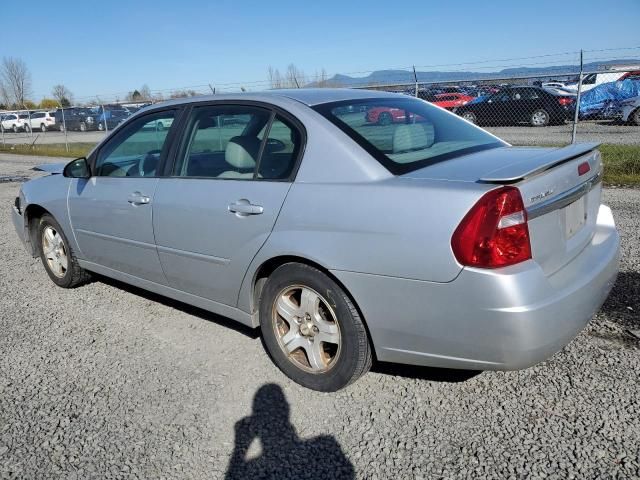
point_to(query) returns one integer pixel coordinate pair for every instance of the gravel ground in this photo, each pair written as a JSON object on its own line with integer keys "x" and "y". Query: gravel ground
{"x": 593, "y": 131}
{"x": 107, "y": 381}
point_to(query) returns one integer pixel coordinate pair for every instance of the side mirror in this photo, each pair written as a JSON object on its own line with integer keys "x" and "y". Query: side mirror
{"x": 78, "y": 168}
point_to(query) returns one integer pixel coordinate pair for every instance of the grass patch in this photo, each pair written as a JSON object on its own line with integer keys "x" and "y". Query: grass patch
{"x": 621, "y": 162}
{"x": 49, "y": 150}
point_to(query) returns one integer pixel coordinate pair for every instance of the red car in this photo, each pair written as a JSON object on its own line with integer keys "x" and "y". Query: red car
{"x": 385, "y": 115}
{"x": 451, "y": 100}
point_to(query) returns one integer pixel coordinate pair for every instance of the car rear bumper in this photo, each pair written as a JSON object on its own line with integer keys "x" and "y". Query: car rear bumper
{"x": 488, "y": 319}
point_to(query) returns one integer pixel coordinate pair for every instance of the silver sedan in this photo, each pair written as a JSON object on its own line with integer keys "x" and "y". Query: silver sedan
{"x": 421, "y": 239}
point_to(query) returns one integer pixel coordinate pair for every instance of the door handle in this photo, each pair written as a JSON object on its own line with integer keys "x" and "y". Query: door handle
{"x": 137, "y": 198}
{"x": 244, "y": 208}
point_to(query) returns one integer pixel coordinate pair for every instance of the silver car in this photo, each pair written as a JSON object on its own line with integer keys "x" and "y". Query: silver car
{"x": 424, "y": 240}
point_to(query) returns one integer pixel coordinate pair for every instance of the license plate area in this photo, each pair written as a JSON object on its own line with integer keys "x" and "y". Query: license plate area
{"x": 575, "y": 216}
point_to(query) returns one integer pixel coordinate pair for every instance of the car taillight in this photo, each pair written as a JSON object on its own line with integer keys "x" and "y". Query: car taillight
{"x": 494, "y": 233}
{"x": 564, "y": 101}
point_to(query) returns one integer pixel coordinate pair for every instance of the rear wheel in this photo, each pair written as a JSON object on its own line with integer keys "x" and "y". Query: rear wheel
{"x": 539, "y": 118}
{"x": 27, "y": 128}
{"x": 312, "y": 330}
{"x": 57, "y": 257}
{"x": 100, "y": 126}
{"x": 635, "y": 116}
{"x": 470, "y": 117}
{"x": 15, "y": 129}
{"x": 83, "y": 127}
{"x": 385, "y": 118}
{"x": 61, "y": 127}
{"x": 43, "y": 128}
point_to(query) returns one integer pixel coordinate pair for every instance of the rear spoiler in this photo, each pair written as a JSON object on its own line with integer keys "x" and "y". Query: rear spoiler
{"x": 531, "y": 166}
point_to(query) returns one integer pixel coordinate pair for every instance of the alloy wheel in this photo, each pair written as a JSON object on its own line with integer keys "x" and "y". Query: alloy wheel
{"x": 307, "y": 329}
{"x": 539, "y": 118}
{"x": 55, "y": 251}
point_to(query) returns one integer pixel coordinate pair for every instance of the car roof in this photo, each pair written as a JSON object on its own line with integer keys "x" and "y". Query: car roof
{"x": 307, "y": 96}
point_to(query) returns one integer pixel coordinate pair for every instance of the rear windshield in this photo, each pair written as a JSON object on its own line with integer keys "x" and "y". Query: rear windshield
{"x": 404, "y": 133}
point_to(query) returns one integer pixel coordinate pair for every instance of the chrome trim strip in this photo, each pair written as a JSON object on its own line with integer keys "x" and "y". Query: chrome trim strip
{"x": 126, "y": 241}
{"x": 563, "y": 199}
{"x": 193, "y": 255}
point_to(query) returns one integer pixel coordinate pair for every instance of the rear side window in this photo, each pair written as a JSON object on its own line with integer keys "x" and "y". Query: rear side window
{"x": 405, "y": 134}
{"x": 239, "y": 142}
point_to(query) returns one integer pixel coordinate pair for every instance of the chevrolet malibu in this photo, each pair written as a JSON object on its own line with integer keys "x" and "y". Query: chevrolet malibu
{"x": 426, "y": 241}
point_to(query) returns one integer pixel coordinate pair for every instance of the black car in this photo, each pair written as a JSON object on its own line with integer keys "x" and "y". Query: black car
{"x": 75, "y": 118}
{"x": 513, "y": 105}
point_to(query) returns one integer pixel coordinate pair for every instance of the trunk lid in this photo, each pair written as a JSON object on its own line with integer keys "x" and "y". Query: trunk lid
{"x": 562, "y": 202}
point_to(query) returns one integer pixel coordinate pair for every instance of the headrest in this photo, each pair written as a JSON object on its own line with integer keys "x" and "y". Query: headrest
{"x": 411, "y": 137}
{"x": 242, "y": 152}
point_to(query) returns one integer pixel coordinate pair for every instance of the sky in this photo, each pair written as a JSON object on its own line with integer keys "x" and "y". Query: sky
{"x": 108, "y": 48}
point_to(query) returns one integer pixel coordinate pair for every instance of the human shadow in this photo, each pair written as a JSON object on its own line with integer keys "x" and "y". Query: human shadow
{"x": 283, "y": 454}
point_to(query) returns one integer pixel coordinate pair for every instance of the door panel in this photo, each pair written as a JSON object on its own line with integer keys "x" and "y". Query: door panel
{"x": 205, "y": 249}
{"x": 111, "y": 212}
{"x": 111, "y": 230}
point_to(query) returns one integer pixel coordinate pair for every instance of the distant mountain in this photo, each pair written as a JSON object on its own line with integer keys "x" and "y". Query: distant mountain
{"x": 380, "y": 77}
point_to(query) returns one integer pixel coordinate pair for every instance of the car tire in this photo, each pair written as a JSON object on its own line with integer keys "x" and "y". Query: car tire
{"x": 57, "y": 257}
{"x": 385, "y": 118}
{"x": 15, "y": 129}
{"x": 83, "y": 127}
{"x": 325, "y": 366}
{"x": 634, "y": 117}
{"x": 100, "y": 126}
{"x": 43, "y": 127}
{"x": 470, "y": 117}
{"x": 62, "y": 128}
{"x": 539, "y": 118}
{"x": 27, "y": 128}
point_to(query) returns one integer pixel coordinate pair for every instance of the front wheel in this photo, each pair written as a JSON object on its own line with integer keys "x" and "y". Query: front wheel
{"x": 100, "y": 127}
{"x": 56, "y": 255}
{"x": 15, "y": 129}
{"x": 635, "y": 116}
{"x": 43, "y": 128}
{"x": 312, "y": 330}
{"x": 83, "y": 127}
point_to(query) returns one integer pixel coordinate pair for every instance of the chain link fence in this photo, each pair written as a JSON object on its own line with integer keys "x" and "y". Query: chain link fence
{"x": 572, "y": 104}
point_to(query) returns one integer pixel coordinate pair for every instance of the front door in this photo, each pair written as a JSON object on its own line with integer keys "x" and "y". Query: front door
{"x": 111, "y": 212}
{"x": 221, "y": 203}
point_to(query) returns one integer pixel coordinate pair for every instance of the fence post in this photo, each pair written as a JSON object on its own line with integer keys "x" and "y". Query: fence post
{"x": 64, "y": 126}
{"x": 415, "y": 78}
{"x": 576, "y": 115}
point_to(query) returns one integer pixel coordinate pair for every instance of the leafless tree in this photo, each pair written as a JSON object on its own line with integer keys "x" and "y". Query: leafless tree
{"x": 16, "y": 79}
{"x": 295, "y": 76}
{"x": 145, "y": 92}
{"x": 275, "y": 79}
{"x": 62, "y": 94}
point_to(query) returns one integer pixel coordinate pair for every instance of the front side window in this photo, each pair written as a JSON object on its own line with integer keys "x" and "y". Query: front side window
{"x": 136, "y": 150}
{"x": 405, "y": 134}
{"x": 237, "y": 142}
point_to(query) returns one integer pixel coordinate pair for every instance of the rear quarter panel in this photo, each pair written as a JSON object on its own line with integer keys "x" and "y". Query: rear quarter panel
{"x": 397, "y": 228}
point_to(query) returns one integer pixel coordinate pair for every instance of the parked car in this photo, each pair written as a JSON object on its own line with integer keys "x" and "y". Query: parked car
{"x": 450, "y": 101}
{"x": 386, "y": 115}
{"x": 11, "y": 122}
{"x": 431, "y": 243}
{"x": 513, "y": 105}
{"x": 593, "y": 80}
{"x": 604, "y": 101}
{"x": 75, "y": 118}
{"x": 109, "y": 116}
{"x": 42, "y": 121}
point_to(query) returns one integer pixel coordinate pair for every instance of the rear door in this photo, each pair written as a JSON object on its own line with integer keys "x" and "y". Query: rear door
{"x": 111, "y": 212}
{"x": 226, "y": 188}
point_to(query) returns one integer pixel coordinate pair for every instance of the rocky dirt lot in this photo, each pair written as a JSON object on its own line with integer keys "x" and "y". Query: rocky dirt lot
{"x": 107, "y": 381}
